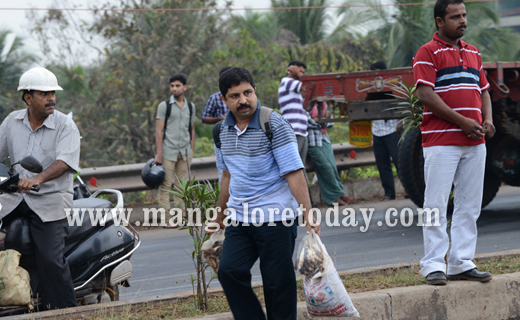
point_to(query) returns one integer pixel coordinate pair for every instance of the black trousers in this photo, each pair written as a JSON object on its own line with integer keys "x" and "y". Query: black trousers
{"x": 384, "y": 148}
{"x": 48, "y": 269}
{"x": 274, "y": 245}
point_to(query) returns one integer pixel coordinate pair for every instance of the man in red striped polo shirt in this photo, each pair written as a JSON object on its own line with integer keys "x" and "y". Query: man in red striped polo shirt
{"x": 452, "y": 86}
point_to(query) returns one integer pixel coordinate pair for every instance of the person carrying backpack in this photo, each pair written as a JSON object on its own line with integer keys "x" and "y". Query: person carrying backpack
{"x": 174, "y": 137}
{"x": 262, "y": 188}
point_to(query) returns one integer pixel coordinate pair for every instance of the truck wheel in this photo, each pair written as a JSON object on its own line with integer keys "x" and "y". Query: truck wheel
{"x": 491, "y": 185}
{"x": 411, "y": 166}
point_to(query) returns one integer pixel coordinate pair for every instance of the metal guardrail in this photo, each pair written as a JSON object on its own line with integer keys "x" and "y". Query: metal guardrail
{"x": 127, "y": 178}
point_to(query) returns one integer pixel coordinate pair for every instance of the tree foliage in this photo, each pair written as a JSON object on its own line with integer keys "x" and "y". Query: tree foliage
{"x": 13, "y": 63}
{"x": 495, "y": 44}
{"x": 310, "y": 25}
{"x": 115, "y": 81}
{"x": 119, "y": 97}
{"x": 402, "y": 30}
{"x": 261, "y": 26}
{"x": 266, "y": 64}
{"x": 347, "y": 55}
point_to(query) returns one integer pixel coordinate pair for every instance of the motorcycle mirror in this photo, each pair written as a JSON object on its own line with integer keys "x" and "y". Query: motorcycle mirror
{"x": 30, "y": 163}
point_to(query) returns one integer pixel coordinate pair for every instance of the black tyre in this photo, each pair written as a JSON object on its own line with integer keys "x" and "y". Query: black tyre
{"x": 492, "y": 180}
{"x": 411, "y": 166}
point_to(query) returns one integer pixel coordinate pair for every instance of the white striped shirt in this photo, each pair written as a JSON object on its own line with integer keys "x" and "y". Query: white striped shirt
{"x": 291, "y": 105}
{"x": 381, "y": 128}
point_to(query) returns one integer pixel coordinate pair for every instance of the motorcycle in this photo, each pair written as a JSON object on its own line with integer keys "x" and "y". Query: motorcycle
{"x": 98, "y": 255}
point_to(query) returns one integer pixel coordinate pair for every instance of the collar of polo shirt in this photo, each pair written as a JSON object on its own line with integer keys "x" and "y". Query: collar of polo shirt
{"x": 253, "y": 123}
{"x": 444, "y": 43}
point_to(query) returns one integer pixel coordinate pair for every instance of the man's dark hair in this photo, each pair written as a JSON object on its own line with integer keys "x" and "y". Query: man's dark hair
{"x": 439, "y": 10}
{"x": 31, "y": 92}
{"x": 179, "y": 77}
{"x": 223, "y": 70}
{"x": 233, "y": 77}
{"x": 380, "y": 65}
{"x": 297, "y": 63}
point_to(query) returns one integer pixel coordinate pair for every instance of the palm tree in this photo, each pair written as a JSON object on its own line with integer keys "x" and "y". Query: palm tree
{"x": 402, "y": 30}
{"x": 13, "y": 62}
{"x": 310, "y": 25}
{"x": 262, "y": 26}
{"x": 495, "y": 44}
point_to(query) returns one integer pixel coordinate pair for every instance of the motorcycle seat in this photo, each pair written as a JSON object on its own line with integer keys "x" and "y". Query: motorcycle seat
{"x": 78, "y": 231}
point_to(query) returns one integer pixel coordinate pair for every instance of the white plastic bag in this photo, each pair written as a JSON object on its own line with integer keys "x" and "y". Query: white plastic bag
{"x": 15, "y": 288}
{"x": 325, "y": 293}
{"x": 310, "y": 257}
{"x": 212, "y": 249}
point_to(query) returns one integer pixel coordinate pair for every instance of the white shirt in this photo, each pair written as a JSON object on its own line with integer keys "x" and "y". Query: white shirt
{"x": 381, "y": 128}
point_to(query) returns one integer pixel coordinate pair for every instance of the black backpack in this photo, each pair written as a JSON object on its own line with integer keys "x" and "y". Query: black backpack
{"x": 169, "y": 112}
{"x": 265, "y": 124}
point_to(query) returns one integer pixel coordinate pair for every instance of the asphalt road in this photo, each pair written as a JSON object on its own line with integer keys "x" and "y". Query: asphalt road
{"x": 163, "y": 264}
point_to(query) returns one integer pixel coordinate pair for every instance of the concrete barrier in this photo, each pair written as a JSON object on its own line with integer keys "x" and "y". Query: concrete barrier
{"x": 459, "y": 300}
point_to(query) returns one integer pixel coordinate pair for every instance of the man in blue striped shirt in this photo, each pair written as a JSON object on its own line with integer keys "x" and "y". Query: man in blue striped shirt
{"x": 263, "y": 183}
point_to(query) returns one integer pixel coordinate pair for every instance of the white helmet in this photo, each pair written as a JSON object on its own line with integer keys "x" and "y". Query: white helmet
{"x": 39, "y": 79}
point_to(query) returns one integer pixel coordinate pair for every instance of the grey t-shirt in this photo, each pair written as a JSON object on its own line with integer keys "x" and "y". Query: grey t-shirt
{"x": 177, "y": 135}
{"x": 56, "y": 139}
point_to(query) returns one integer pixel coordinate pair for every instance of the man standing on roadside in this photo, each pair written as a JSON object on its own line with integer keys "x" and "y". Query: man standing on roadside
{"x": 263, "y": 176}
{"x": 386, "y": 140}
{"x": 52, "y": 138}
{"x": 215, "y": 111}
{"x": 452, "y": 86}
{"x": 174, "y": 137}
{"x": 290, "y": 101}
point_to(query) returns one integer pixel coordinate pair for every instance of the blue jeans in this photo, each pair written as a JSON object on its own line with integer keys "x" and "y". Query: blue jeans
{"x": 274, "y": 245}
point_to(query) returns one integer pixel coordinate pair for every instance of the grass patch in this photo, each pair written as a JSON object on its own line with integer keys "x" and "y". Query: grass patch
{"x": 370, "y": 281}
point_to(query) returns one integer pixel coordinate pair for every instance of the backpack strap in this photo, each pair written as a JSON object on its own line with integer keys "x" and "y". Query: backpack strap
{"x": 265, "y": 122}
{"x": 191, "y": 107}
{"x": 168, "y": 113}
{"x": 216, "y": 133}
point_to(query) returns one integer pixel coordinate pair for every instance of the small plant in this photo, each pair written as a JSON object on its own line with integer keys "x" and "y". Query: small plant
{"x": 360, "y": 173}
{"x": 197, "y": 199}
{"x": 409, "y": 106}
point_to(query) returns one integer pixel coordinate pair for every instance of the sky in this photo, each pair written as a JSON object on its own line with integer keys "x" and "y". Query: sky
{"x": 16, "y": 20}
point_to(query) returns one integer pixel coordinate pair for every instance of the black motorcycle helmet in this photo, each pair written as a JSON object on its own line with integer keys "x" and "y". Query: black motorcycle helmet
{"x": 152, "y": 175}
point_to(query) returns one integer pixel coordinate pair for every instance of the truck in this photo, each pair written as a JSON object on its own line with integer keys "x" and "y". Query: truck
{"x": 371, "y": 95}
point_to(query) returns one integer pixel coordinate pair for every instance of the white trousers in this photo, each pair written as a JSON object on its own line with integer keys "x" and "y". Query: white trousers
{"x": 464, "y": 168}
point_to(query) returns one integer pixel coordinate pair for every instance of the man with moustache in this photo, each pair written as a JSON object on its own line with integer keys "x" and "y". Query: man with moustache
{"x": 174, "y": 137}
{"x": 263, "y": 175}
{"x": 452, "y": 86}
{"x": 53, "y": 139}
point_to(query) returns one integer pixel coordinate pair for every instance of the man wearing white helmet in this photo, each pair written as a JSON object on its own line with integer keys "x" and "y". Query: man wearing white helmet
{"x": 53, "y": 139}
